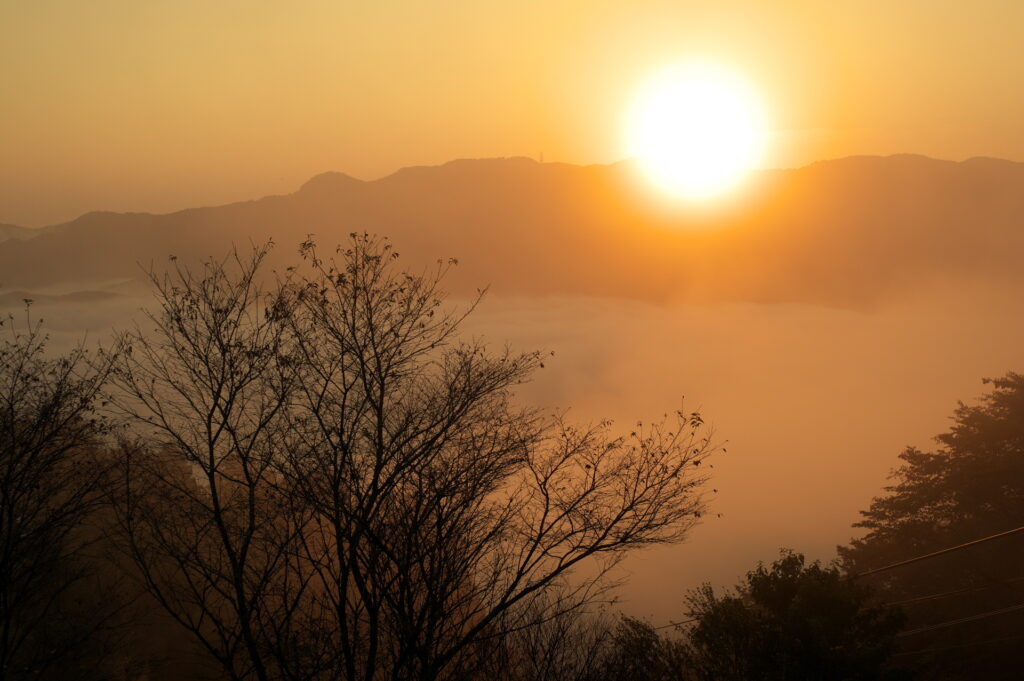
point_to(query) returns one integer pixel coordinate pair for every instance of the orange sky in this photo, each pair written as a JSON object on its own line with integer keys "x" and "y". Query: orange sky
{"x": 129, "y": 105}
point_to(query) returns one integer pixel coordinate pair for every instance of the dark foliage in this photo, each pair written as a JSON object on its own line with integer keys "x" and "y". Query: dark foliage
{"x": 792, "y": 621}
{"x": 57, "y": 605}
{"x": 970, "y": 486}
{"x": 635, "y": 651}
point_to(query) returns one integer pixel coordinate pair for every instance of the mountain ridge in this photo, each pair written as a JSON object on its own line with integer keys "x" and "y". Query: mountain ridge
{"x": 329, "y": 177}
{"x": 840, "y": 231}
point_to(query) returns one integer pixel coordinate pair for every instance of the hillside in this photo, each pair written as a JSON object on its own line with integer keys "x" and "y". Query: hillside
{"x": 846, "y": 232}
{"x": 9, "y": 232}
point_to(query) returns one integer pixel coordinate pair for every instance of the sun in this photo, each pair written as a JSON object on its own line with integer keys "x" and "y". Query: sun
{"x": 697, "y": 128}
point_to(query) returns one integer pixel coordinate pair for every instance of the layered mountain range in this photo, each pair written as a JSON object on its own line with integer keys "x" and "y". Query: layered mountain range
{"x": 846, "y": 232}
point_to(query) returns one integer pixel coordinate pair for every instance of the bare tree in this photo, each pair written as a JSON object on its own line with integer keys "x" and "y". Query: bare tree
{"x": 572, "y": 646}
{"x": 200, "y": 511}
{"x": 444, "y": 514}
{"x": 330, "y": 484}
{"x": 635, "y": 651}
{"x": 50, "y": 485}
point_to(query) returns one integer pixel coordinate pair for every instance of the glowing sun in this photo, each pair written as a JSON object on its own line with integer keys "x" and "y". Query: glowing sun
{"x": 697, "y": 129}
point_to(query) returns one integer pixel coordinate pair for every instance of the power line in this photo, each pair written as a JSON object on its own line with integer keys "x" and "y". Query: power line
{"x": 959, "y": 645}
{"x": 904, "y": 602}
{"x": 958, "y": 547}
{"x": 962, "y": 620}
{"x": 983, "y": 587}
{"x": 908, "y": 561}
{"x": 676, "y": 624}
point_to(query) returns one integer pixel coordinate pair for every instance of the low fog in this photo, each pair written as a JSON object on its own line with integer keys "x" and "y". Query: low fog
{"x": 813, "y": 403}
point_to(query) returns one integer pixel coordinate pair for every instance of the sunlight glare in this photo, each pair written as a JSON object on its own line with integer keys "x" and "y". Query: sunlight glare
{"x": 697, "y": 129}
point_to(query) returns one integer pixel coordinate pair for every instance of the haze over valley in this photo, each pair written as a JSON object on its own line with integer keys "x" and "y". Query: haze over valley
{"x": 670, "y": 340}
{"x": 833, "y": 317}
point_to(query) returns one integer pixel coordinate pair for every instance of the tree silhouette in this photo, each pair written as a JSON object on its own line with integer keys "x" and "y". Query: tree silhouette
{"x": 202, "y": 514}
{"x": 971, "y": 486}
{"x": 792, "y": 621}
{"x": 52, "y": 608}
{"x": 635, "y": 651}
{"x": 567, "y": 647}
{"x": 328, "y": 483}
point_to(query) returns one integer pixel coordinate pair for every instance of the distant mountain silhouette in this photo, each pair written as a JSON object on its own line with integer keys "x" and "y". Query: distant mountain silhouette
{"x": 8, "y": 232}
{"x": 842, "y": 232}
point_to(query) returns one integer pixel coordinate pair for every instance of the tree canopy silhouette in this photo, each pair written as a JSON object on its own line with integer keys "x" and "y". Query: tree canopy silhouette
{"x": 326, "y": 482}
{"x": 969, "y": 487}
{"x": 53, "y": 608}
{"x": 792, "y": 620}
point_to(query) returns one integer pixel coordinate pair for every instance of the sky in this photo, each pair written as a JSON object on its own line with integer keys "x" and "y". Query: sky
{"x": 126, "y": 105}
